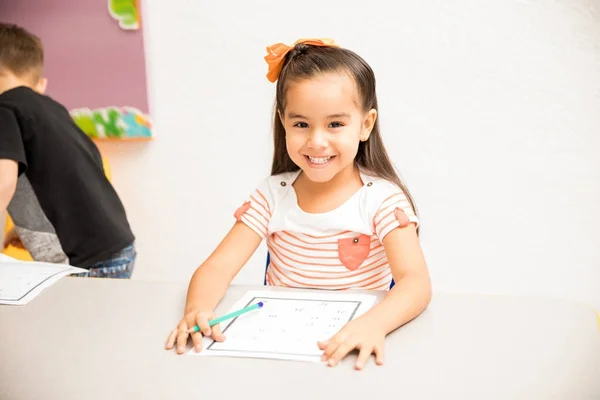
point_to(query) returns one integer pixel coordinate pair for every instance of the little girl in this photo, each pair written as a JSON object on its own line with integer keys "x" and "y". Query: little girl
{"x": 334, "y": 212}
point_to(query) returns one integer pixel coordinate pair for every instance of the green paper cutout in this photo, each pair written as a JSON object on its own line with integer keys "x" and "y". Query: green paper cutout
{"x": 126, "y": 12}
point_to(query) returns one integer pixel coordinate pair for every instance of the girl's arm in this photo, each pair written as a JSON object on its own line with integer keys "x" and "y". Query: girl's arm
{"x": 211, "y": 279}
{"x": 209, "y": 283}
{"x": 412, "y": 292}
{"x": 406, "y": 300}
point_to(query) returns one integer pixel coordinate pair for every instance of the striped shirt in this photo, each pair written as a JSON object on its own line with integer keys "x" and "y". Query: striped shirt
{"x": 340, "y": 249}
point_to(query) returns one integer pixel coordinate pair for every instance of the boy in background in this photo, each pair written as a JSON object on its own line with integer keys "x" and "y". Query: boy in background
{"x": 52, "y": 182}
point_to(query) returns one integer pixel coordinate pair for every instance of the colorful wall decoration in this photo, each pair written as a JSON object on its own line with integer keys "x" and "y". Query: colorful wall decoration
{"x": 94, "y": 61}
{"x": 126, "y": 12}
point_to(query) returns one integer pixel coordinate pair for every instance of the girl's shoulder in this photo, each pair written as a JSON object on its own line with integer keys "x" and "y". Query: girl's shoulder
{"x": 274, "y": 187}
{"x": 381, "y": 200}
{"x": 377, "y": 188}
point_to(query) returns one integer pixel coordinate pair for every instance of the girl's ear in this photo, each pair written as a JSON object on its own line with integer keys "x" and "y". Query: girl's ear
{"x": 280, "y": 115}
{"x": 368, "y": 124}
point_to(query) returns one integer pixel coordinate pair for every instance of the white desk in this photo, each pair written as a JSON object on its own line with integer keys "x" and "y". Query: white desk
{"x": 90, "y": 339}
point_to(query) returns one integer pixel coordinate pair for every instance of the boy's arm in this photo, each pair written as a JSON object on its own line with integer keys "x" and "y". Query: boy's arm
{"x": 12, "y": 156}
{"x": 9, "y": 171}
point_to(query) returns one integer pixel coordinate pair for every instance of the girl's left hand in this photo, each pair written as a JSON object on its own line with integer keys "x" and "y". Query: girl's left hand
{"x": 356, "y": 334}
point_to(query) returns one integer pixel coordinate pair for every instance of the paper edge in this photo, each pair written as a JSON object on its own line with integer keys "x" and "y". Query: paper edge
{"x": 67, "y": 270}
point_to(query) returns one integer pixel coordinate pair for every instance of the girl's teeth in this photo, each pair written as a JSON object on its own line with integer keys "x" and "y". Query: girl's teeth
{"x": 318, "y": 160}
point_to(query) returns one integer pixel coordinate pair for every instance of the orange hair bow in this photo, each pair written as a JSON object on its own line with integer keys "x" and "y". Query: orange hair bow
{"x": 276, "y": 54}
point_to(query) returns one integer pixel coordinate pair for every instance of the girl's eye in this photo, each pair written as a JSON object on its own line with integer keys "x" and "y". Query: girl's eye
{"x": 301, "y": 125}
{"x": 336, "y": 125}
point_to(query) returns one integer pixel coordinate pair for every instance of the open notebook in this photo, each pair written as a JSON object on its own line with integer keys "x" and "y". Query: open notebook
{"x": 22, "y": 281}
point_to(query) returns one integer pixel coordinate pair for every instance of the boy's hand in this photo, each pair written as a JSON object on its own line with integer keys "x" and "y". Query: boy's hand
{"x": 12, "y": 239}
{"x": 180, "y": 334}
{"x": 357, "y": 334}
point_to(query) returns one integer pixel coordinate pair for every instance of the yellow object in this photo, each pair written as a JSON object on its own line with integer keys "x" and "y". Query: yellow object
{"x": 107, "y": 170}
{"x": 22, "y": 254}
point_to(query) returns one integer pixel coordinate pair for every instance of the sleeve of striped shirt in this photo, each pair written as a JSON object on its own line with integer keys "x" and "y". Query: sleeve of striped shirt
{"x": 395, "y": 211}
{"x": 257, "y": 209}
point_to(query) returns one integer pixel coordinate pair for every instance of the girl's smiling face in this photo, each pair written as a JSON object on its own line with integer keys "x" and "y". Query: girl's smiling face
{"x": 324, "y": 123}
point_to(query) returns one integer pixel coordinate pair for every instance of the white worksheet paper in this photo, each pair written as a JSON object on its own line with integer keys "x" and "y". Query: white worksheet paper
{"x": 288, "y": 326}
{"x": 22, "y": 281}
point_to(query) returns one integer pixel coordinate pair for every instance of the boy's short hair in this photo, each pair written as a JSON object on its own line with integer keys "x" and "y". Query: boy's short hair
{"x": 21, "y": 52}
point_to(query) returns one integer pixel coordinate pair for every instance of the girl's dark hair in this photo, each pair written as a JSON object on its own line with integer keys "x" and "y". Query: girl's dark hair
{"x": 305, "y": 61}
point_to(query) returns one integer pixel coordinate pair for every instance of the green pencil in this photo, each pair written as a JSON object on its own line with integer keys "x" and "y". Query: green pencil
{"x": 229, "y": 316}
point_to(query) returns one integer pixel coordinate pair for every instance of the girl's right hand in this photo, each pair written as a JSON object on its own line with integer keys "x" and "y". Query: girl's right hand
{"x": 179, "y": 335}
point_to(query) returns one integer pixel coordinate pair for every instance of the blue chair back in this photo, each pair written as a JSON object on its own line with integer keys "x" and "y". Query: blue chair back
{"x": 392, "y": 283}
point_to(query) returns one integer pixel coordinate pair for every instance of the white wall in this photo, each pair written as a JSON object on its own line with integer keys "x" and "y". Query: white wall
{"x": 491, "y": 111}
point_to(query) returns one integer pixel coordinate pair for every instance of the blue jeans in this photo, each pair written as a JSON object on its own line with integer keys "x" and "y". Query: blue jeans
{"x": 118, "y": 266}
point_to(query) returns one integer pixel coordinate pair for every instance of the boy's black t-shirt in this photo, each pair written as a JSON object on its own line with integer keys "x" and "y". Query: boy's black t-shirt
{"x": 64, "y": 169}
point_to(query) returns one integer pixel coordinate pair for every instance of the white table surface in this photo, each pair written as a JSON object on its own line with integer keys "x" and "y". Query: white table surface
{"x": 90, "y": 339}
